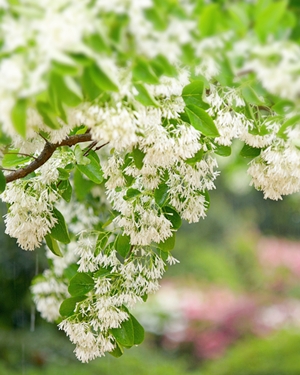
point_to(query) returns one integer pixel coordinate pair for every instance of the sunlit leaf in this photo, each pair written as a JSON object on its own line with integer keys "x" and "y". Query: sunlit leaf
{"x": 202, "y": 121}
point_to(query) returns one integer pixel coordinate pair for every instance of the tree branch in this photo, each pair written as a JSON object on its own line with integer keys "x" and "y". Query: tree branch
{"x": 46, "y": 155}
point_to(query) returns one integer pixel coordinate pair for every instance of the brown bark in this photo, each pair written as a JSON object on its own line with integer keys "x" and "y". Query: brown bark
{"x": 46, "y": 154}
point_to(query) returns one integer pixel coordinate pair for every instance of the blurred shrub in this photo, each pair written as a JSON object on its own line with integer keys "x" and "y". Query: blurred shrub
{"x": 275, "y": 355}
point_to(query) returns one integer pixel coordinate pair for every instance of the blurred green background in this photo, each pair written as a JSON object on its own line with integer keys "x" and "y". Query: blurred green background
{"x": 230, "y": 307}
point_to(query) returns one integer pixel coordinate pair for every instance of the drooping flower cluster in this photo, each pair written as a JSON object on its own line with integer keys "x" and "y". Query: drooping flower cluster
{"x": 51, "y": 288}
{"x": 31, "y": 202}
{"x": 277, "y": 170}
{"x": 115, "y": 284}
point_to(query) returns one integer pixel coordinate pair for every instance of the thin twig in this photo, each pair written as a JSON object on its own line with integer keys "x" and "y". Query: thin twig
{"x": 44, "y": 138}
{"x": 99, "y": 147}
{"x": 93, "y": 144}
{"x": 244, "y": 72}
{"x": 7, "y": 169}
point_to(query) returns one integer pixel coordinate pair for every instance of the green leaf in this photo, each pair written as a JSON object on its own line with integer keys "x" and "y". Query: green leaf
{"x": 93, "y": 154}
{"x": 249, "y": 152}
{"x": 129, "y": 180}
{"x": 101, "y": 79}
{"x": 209, "y": 20}
{"x": 63, "y": 90}
{"x": 251, "y": 96}
{"x": 81, "y": 59}
{"x": 144, "y": 96}
{"x": 2, "y": 182}
{"x": 102, "y": 272}
{"x": 164, "y": 255}
{"x": 159, "y": 21}
{"x": 202, "y": 121}
{"x": 18, "y": 116}
{"x": 222, "y": 150}
{"x": 64, "y": 69}
{"x": 207, "y": 199}
{"x": 80, "y": 284}
{"x": 239, "y": 18}
{"x": 260, "y": 6}
{"x": 101, "y": 242}
{"x": 226, "y": 75}
{"x": 168, "y": 244}
{"x": 268, "y": 20}
{"x": 197, "y": 157}
{"x": 172, "y": 216}
{"x": 118, "y": 351}
{"x": 56, "y": 107}
{"x": 97, "y": 43}
{"x": 125, "y": 334}
{"x": 282, "y": 107}
{"x": 79, "y": 156}
{"x": 117, "y": 31}
{"x": 48, "y": 114}
{"x": 67, "y": 190}
{"x": 123, "y": 245}
{"x": 5, "y": 139}
{"x": 184, "y": 117}
{"x": 188, "y": 54}
{"x": 161, "y": 194}
{"x": 289, "y": 123}
{"x": 131, "y": 193}
{"x": 138, "y": 331}
{"x": 80, "y": 129}
{"x": 90, "y": 90}
{"x": 143, "y": 72}
{"x": 53, "y": 245}
{"x": 63, "y": 174}
{"x": 82, "y": 186}
{"x": 67, "y": 308}
{"x": 60, "y": 230}
{"x": 161, "y": 65}
{"x": 13, "y": 159}
{"x": 70, "y": 271}
{"x": 138, "y": 157}
{"x": 93, "y": 170}
{"x": 192, "y": 94}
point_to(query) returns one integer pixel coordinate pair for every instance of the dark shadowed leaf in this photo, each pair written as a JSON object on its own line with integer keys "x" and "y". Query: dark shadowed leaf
{"x": 18, "y": 116}
{"x": 60, "y": 230}
{"x": 2, "y": 182}
{"x": 67, "y": 308}
{"x": 172, "y": 216}
{"x": 80, "y": 284}
{"x": 123, "y": 245}
{"x": 125, "y": 334}
{"x": 53, "y": 245}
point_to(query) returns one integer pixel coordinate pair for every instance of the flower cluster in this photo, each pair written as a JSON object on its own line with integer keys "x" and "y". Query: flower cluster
{"x": 277, "y": 170}
{"x": 31, "y": 202}
{"x": 51, "y": 288}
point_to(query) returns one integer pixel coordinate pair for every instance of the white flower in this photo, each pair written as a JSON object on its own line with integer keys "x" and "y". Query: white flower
{"x": 277, "y": 170}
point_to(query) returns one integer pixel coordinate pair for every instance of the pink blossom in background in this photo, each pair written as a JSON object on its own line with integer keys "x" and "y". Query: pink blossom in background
{"x": 275, "y": 252}
{"x": 206, "y": 319}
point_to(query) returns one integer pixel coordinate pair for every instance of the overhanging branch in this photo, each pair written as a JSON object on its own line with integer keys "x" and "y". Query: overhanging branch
{"x": 46, "y": 154}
